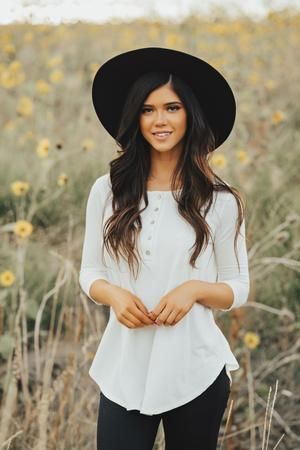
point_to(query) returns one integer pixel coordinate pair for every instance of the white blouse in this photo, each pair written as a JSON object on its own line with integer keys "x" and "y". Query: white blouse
{"x": 157, "y": 368}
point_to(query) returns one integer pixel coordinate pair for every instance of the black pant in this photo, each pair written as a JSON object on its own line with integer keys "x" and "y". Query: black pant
{"x": 193, "y": 426}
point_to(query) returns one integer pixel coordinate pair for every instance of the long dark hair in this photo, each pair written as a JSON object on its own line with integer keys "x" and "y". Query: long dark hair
{"x": 130, "y": 170}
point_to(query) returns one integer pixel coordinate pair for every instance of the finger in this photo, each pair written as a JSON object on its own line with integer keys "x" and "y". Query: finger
{"x": 133, "y": 318}
{"x": 154, "y": 315}
{"x": 178, "y": 317}
{"x": 141, "y": 306}
{"x": 158, "y": 309}
{"x": 162, "y": 317}
{"x": 136, "y": 316}
{"x": 127, "y": 323}
{"x": 143, "y": 317}
{"x": 141, "y": 312}
{"x": 171, "y": 317}
{"x": 127, "y": 319}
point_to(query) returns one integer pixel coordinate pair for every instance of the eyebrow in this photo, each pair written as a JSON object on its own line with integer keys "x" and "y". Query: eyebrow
{"x": 169, "y": 103}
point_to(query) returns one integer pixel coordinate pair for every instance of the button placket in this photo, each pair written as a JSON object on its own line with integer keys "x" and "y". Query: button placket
{"x": 153, "y": 221}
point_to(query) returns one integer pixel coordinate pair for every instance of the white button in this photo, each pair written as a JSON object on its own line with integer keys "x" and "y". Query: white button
{"x": 152, "y": 221}
{"x": 159, "y": 195}
{"x": 156, "y": 209}
{"x": 149, "y": 237}
{"x": 147, "y": 252}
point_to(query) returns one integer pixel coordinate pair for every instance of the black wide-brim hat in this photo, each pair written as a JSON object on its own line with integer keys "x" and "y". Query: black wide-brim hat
{"x": 114, "y": 78}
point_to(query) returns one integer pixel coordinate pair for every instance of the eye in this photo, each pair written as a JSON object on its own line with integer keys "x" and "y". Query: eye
{"x": 169, "y": 107}
{"x": 145, "y": 109}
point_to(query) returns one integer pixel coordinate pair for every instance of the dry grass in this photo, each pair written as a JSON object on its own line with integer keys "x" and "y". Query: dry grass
{"x": 49, "y": 330}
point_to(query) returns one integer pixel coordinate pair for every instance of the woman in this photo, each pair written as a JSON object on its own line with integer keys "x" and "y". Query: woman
{"x": 162, "y": 356}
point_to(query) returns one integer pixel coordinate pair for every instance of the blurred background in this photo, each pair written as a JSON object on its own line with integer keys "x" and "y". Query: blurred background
{"x": 52, "y": 148}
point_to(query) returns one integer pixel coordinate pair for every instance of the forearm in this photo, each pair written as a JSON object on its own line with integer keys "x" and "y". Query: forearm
{"x": 103, "y": 292}
{"x": 213, "y": 295}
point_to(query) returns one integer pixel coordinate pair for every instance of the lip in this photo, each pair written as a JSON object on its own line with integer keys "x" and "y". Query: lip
{"x": 162, "y": 138}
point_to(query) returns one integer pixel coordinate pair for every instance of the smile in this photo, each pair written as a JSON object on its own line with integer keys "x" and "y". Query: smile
{"x": 162, "y": 135}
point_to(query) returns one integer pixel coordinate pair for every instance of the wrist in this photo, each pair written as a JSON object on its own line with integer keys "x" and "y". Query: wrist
{"x": 112, "y": 293}
{"x": 103, "y": 292}
{"x": 194, "y": 290}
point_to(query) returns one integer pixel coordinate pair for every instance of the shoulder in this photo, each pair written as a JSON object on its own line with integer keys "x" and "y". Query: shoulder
{"x": 224, "y": 197}
{"x": 102, "y": 180}
{"x": 102, "y": 184}
{"x": 99, "y": 191}
{"x": 225, "y": 203}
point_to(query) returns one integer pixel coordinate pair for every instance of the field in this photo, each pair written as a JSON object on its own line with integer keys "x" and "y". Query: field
{"x": 52, "y": 148}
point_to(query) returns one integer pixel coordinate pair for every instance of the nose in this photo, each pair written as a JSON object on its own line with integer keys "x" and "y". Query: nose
{"x": 160, "y": 117}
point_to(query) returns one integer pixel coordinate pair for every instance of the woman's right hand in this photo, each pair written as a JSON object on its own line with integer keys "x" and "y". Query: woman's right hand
{"x": 129, "y": 309}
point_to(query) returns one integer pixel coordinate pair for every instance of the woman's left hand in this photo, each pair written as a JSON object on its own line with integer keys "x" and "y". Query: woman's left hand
{"x": 173, "y": 306}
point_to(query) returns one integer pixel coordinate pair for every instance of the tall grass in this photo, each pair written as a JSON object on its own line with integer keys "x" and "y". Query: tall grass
{"x": 51, "y": 144}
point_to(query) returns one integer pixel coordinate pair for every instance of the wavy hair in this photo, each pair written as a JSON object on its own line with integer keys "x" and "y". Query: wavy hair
{"x": 130, "y": 170}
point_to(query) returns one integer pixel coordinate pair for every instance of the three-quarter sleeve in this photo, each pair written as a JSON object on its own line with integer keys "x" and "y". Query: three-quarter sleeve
{"x": 92, "y": 267}
{"x": 227, "y": 265}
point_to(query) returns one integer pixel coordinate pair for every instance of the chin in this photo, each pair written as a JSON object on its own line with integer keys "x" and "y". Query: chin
{"x": 164, "y": 145}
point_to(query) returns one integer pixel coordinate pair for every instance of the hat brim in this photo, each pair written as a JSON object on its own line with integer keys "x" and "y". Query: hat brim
{"x": 115, "y": 77}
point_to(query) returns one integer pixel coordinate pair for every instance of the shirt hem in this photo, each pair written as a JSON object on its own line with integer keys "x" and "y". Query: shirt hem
{"x": 174, "y": 405}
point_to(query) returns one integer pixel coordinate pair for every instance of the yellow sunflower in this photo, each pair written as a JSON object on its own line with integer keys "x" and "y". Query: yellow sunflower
{"x": 218, "y": 160}
{"x": 43, "y": 148}
{"x": 42, "y": 87}
{"x": 242, "y": 156}
{"x": 251, "y": 340}
{"x": 23, "y": 228}
{"x": 278, "y": 117}
{"x": 56, "y": 76}
{"x": 19, "y": 188}
{"x": 25, "y": 106}
{"x": 7, "y": 278}
{"x": 88, "y": 144}
{"x": 62, "y": 179}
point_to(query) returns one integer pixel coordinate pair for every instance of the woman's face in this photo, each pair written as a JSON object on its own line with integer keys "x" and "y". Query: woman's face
{"x": 163, "y": 111}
